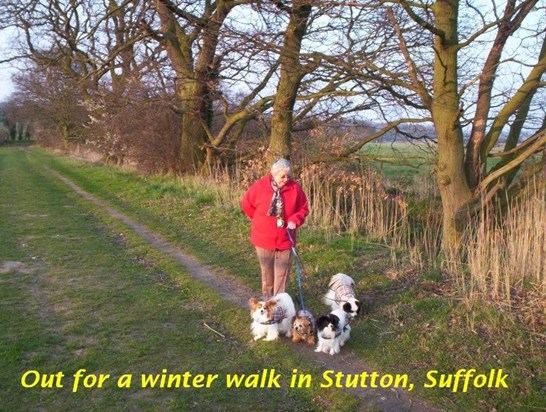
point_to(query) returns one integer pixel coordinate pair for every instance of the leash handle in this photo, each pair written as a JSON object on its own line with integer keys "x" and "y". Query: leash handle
{"x": 298, "y": 265}
{"x": 291, "y": 237}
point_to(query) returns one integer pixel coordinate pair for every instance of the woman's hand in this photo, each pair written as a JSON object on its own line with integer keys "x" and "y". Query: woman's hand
{"x": 291, "y": 225}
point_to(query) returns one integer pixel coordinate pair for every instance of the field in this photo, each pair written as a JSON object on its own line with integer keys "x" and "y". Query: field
{"x": 82, "y": 289}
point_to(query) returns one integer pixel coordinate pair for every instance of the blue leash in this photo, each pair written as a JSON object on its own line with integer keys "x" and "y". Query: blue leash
{"x": 298, "y": 267}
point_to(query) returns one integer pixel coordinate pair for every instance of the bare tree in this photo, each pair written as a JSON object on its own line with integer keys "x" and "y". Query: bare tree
{"x": 52, "y": 102}
{"x": 257, "y": 51}
{"x": 438, "y": 62}
{"x": 87, "y": 46}
{"x": 441, "y": 62}
{"x": 291, "y": 74}
{"x": 190, "y": 33}
{"x": 308, "y": 88}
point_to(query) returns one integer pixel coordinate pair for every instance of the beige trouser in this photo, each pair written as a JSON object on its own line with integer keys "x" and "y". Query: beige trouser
{"x": 275, "y": 267}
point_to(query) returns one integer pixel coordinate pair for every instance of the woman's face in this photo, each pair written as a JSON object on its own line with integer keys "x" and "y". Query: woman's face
{"x": 281, "y": 177}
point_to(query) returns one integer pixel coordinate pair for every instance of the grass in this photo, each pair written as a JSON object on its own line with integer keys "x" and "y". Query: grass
{"x": 400, "y": 161}
{"x": 413, "y": 321}
{"x": 87, "y": 294}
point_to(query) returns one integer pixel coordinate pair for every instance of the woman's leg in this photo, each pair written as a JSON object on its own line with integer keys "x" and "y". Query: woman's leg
{"x": 281, "y": 270}
{"x": 267, "y": 267}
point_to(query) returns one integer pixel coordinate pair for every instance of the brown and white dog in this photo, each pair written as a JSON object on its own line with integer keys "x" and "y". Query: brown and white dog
{"x": 341, "y": 295}
{"x": 271, "y": 318}
{"x": 303, "y": 327}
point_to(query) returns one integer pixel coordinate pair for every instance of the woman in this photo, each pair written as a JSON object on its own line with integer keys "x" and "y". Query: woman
{"x": 275, "y": 204}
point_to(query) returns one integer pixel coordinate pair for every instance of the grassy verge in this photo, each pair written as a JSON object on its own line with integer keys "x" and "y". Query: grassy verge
{"x": 79, "y": 291}
{"x": 413, "y": 322}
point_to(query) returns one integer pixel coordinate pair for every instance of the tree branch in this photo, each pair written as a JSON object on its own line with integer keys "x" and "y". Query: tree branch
{"x": 412, "y": 68}
{"x": 539, "y": 141}
{"x": 532, "y": 82}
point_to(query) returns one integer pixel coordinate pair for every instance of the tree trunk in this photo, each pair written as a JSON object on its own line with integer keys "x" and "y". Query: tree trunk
{"x": 280, "y": 142}
{"x": 451, "y": 176}
{"x": 290, "y": 77}
{"x": 65, "y": 134}
{"x": 193, "y": 135}
{"x": 196, "y": 67}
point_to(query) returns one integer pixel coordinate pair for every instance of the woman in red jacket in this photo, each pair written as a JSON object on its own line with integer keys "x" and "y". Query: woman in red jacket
{"x": 275, "y": 204}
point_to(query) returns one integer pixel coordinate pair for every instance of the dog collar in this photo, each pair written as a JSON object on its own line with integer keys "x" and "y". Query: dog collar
{"x": 338, "y": 333}
{"x": 336, "y": 336}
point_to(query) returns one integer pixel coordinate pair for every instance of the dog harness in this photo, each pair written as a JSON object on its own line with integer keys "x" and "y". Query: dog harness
{"x": 338, "y": 333}
{"x": 308, "y": 315}
{"x": 305, "y": 313}
{"x": 278, "y": 316}
{"x": 342, "y": 291}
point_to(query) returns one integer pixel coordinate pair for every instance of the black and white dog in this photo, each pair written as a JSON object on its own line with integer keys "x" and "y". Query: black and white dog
{"x": 333, "y": 330}
{"x": 341, "y": 295}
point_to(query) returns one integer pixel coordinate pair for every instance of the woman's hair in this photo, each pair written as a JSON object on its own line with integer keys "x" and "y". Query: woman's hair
{"x": 281, "y": 164}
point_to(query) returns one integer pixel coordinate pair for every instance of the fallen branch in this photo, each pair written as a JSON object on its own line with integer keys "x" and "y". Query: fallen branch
{"x": 215, "y": 331}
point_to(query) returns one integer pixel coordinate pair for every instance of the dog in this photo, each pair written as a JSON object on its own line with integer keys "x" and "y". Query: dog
{"x": 341, "y": 295}
{"x": 271, "y": 318}
{"x": 333, "y": 330}
{"x": 303, "y": 327}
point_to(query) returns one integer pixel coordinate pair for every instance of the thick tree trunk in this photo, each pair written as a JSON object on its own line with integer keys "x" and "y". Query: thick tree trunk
{"x": 196, "y": 76}
{"x": 280, "y": 142}
{"x": 292, "y": 72}
{"x": 193, "y": 135}
{"x": 451, "y": 176}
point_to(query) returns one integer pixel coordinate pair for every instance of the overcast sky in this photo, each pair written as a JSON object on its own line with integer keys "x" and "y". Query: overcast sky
{"x": 6, "y": 86}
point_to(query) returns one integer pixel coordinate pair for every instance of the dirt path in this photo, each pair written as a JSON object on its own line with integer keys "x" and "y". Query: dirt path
{"x": 231, "y": 290}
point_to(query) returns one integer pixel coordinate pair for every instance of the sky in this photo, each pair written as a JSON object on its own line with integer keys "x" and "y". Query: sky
{"x": 6, "y": 70}
{"x": 6, "y": 86}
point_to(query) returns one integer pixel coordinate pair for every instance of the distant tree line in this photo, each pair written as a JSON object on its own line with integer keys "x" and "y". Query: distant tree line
{"x": 13, "y": 131}
{"x": 183, "y": 85}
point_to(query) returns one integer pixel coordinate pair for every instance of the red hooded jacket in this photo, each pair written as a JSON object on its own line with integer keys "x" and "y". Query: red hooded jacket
{"x": 264, "y": 232}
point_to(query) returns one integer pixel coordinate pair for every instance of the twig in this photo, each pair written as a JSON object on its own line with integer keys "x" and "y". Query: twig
{"x": 215, "y": 331}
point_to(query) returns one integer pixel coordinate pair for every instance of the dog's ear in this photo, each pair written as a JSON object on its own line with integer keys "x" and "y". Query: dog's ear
{"x": 358, "y": 306}
{"x": 322, "y": 321}
{"x": 334, "y": 320}
{"x": 270, "y": 304}
{"x": 253, "y": 303}
{"x": 347, "y": 307}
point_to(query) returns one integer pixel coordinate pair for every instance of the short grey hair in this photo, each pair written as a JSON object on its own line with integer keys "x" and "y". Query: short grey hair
{"x": 281, "y": 164}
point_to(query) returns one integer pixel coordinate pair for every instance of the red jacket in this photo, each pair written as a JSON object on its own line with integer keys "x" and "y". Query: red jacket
{"x": 264, "y": 232}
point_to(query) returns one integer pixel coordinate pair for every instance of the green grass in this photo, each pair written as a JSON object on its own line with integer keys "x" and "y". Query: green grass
{"x": 88, "y": 294}
{"x": 399, "y": 160}
{"x": 412, "y": 321}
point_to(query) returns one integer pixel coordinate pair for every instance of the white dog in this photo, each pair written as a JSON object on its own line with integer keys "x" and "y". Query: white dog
{"x": 341, "y": 295}
{"x": 333, "y": 330}
{"x": 271, "y": 318}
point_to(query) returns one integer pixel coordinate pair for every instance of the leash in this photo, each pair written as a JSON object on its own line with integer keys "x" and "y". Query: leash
{"x": 299, "y": 266}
